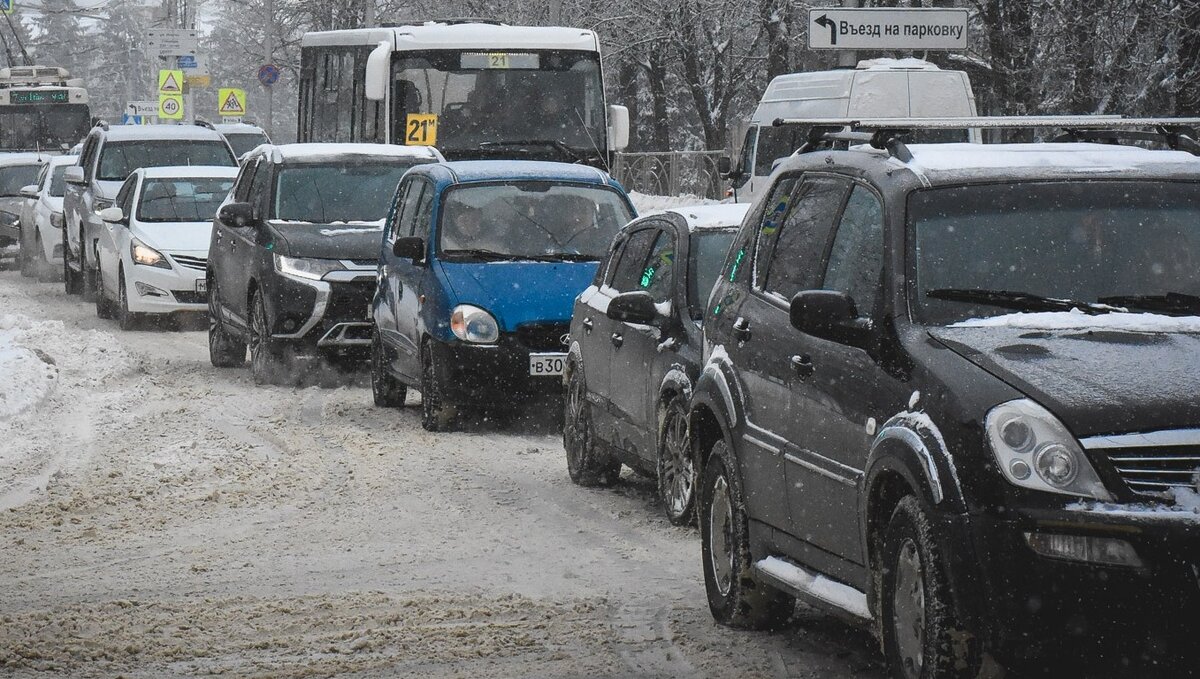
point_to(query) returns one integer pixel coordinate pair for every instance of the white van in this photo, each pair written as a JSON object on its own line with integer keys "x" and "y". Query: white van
{"x": 878, "y": 88}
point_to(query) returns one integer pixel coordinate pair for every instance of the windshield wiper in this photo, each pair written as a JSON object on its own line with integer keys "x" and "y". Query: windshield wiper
{"x": 489, "y": 255}
{"x": 549, "y": 143}
{"x": 1019, "y": 301}
{"x": 1170, "y": 303}
{"x": 563, "y": 257}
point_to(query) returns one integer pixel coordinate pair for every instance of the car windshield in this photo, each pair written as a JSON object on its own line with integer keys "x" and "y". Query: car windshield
{"x": 1126, "y": 244}
{"x": 708, "y": 250}
{"x": 182, "y": 199}
{"x": 15, "y": 177}
{"x": 530, "y": 220}
{"x": 338, "y": 192}
{"x": 58, "y": 184}
{"x": 119, "y": 158}
{"x": 245, "y": 141}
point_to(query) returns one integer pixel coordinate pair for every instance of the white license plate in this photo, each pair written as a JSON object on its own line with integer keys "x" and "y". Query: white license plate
{"x": 202, "y": 285}
{"x": 547, "y": 364}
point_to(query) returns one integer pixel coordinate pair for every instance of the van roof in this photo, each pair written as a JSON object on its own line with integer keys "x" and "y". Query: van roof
{"x": 434, "y": 35}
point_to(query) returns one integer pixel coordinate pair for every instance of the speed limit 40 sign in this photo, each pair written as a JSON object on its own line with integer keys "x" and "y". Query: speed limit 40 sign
{"x": 170, "y": 107}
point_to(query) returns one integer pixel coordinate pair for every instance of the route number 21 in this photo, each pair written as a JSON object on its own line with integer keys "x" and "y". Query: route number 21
{"x": 420, "y": 129}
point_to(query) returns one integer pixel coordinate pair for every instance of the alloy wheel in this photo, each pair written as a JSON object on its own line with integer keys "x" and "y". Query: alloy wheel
{"x": 677, "y": 469}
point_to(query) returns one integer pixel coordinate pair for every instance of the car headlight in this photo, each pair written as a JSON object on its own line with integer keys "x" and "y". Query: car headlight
{"x": 303, "y": 267}
{"x": 147, "y": 256}
{"x": 57, "y": 221}
{"x": 472, "y": 324}
{"x": 1035, "y": 450}
{"x": 99, "y": 204}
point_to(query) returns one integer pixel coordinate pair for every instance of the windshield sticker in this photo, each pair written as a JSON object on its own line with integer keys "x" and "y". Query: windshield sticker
{"x": 420, "y": 129}
{"x": 773, "y": 221}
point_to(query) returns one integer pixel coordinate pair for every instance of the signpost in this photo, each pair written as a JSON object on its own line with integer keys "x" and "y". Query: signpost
{"x": 268, "y": 74}
{"x": 170, "y": 106}
{"x": 7, "y": 6}
{"x": 231, "y": 102}
{"x": 836, "y": 28}
{"x": 142, "y": 108}
{"x": 172, "y": 42}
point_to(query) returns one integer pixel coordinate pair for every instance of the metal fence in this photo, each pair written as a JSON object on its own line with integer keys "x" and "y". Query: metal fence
{"x": 671, "y": 173}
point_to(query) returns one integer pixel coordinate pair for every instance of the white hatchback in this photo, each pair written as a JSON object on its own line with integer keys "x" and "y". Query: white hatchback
{"x": 153, "y": 249}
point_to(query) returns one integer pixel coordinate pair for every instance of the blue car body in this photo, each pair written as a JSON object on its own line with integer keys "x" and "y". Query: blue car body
{"x": 531, "y": 301}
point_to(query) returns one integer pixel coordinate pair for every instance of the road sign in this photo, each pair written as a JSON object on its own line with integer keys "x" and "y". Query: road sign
{"x": 141, "y": 108}
{"x": 231, "y": 102}
{"x": 832, "y": 28}
{"x": 172, "y": 42}
{"x": 7, "y": 6}
{"x": 192, "y": 64}
{"x": 268, "y": 74}
{"x": 170, "y": 106}
{"x": 128, "y": 119}
{"x": 170, "y": 81}
{"x": 231, "y": 120}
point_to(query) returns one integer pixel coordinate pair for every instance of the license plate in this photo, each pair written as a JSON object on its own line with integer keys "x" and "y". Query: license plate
{"x": 547, "y": 364}
{"x": 202, "y": 285}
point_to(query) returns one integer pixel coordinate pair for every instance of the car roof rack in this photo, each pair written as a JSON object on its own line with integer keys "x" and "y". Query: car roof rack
{"x": 887, "y": 133}
{"x": 200, "y": 122}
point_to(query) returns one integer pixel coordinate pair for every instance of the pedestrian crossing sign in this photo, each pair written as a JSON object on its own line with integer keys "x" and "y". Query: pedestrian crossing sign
{"x": 170, "y": 82}
{"x": 231, "y": 102}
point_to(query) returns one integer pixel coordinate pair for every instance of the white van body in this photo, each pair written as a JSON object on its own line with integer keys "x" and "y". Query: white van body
{"x": 878, "y": 88}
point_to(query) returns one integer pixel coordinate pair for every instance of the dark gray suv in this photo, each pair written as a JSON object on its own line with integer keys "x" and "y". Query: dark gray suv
{"x": 950, "y": 391}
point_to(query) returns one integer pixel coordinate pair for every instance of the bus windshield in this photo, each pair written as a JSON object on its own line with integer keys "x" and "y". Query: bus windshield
{"x": 550, "y": 103}
{"x": 42, "y": 127}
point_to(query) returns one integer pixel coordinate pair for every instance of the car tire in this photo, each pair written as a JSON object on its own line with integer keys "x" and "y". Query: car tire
{"x": 70, "y": 280}
{"x": 436, "y": 414}
{"x": 87, "y": 281}
{"x": 224, "y": 350}
{"x": 104, "y": 308}
{"x": 922, "y": 637}
{"x": 25, "y": 258}
{"x": 126, "y": 319}
{"x": 676, "y": 470}
{"x": 386, "y": 390}
{"x": 587, "y": 465}
{"x": 268, "y": 362}
{"x": 735, "y": 596}
{"x": 42, "y": 269}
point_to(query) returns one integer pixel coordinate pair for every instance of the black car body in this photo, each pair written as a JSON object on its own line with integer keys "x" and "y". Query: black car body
{"x": 291, "y": 269}
{"x": 636, "y": 346}
{"x": 905, "y": 414}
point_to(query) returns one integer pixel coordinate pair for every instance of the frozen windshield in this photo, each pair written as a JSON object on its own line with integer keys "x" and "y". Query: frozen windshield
{"x": 15, "y": 177}
{"x": 531, "y": 220}
{"x": 245, "y": 141}
{"x": 58, "y": 185}
{"x": 708, "y": 249}
{"x": 182, "y": 200}
{"x": 553, "y": 98}
{"x": 119, "y": 158}
{"x": 1088, "y": 241}
{"x": 343, "y": 192}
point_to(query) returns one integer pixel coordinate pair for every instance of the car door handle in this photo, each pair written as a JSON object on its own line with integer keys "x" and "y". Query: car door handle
{"x": 803, "y": 366}
{"x": 617, "y": 339}
{"x": 587, "y": 325}
{"x": 741, "y": 330}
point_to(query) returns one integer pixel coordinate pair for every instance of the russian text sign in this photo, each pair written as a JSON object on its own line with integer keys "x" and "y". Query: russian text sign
{"x": 833, "y": 28}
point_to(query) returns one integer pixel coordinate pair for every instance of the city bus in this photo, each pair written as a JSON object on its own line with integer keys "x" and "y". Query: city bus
{"x": 42, "y": 108}
{"x": 473, "y": 89}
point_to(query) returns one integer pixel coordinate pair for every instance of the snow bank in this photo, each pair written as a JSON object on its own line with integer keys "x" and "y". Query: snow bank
{"x": 1077, "y": 320}
{"x": 648, "y": 204}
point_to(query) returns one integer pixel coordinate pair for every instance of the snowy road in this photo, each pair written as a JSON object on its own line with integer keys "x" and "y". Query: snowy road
{"x": 162, "y": 517}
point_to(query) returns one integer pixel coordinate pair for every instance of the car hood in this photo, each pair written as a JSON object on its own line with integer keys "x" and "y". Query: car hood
{"x": 520, "y": 292}
{"x": 174, "y": 236}
{"x": 1097, "y": 380}
{"x": 358, "y": 241}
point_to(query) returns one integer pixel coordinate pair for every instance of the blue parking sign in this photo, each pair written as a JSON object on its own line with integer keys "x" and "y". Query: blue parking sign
{"x": 6, "y": 6}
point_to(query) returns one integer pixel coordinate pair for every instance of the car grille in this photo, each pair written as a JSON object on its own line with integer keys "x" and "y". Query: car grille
{"x": 197, "y": 263}
{"x": 190, "y": 296}
{"x": 543, "y": 336}
{"x": 1151, "y": 466}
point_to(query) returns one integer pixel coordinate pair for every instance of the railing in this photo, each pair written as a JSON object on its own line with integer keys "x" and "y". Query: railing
{"x": 670, "y": 173}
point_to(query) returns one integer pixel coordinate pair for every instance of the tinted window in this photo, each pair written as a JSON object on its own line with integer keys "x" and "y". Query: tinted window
{"x": 800, "y": 242}
{"x": 245, "y": 179}
{"x": 124, "y": 199}
{"x": 627, "y": 273}
{"x": 181, "y": 200}
{"x": 16, "y": 177}
{"x": 775, "y": 211}
{"x": 119, "y": 158}
{"x": 407, "y": 208}
{"x": 245, "y": 141}
{"x": 707, "y": 254}
{"x": 338, "y": 192}
{"x": 856, "y": 257}
{"x": 658, "y": 274}
{"x": 424, "y": 212}
{"x": 58, "y": 185}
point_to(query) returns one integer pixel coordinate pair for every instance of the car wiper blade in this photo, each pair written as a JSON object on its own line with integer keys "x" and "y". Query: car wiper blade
{"x": 563, "y": 257}
{"x": 1019, "y": 301}
{"x": 1170, "y": 303}
{"x": 550, "y": 143}
{"x": 490, "y": 255}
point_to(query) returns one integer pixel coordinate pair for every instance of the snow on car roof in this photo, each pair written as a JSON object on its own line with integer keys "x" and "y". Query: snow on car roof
{"x": 238, "y": 128}
{"x": 721, "y": 216}
{"x": 189, "y": 171}
{"x": 58, "y": 161}
{"x": 433, "y": 35}
{"x": 1051, "y": 157}
{"x": 317, "y": 151}
{"x": 154, "y": 132}
{"x": 491, "y": 170}
{"x": 24, "y": 158}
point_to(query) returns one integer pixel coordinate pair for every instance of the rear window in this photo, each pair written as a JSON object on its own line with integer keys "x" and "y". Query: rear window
{"x": 120, "y": 158}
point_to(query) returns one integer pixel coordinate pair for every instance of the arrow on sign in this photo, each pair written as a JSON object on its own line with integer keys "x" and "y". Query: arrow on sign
{"x": 825, "y": 21}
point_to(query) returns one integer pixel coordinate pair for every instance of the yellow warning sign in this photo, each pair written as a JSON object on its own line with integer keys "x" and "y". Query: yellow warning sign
{"x": 421, "y": 129}
{"x": 170, "y": 82}
{"x": 231, "y": 102}
{"x": 170, "y": 106}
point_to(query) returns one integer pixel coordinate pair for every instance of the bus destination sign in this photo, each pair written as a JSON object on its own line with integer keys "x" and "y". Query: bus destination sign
{"x": 39, "y": 97}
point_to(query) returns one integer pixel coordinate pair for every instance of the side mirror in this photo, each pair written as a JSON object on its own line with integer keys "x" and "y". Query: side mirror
{"x": 236, "y": 214}
{"x": 30, "y": 191}
{"x": 409, "y": 247}
{"x": 379, "y": 66}
{"x": 830, "y": 315}
{"x": 634, "y": 307}
{"x": 724, "y": 165}
{"x": 74, "y": 175}
{"x": 113, "y": 215}
{"x": 618, "y": 128}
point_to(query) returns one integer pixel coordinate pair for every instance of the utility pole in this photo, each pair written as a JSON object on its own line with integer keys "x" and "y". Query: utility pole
{"x": 369, "y": 14}
{"x": 848, "y": 58}
{"x": 269, "y": 6}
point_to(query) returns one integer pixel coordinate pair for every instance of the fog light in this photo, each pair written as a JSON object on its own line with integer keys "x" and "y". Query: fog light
{"x": 1108, "y": 551}
{"x": 148, "y": 290}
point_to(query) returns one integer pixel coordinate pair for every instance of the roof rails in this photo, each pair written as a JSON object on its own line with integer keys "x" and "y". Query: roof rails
{"x": 200, "y": 122}
{"x": 887, "y": 133}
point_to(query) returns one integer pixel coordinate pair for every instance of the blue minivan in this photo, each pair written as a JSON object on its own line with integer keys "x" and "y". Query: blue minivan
{"x": 480, "y": 265}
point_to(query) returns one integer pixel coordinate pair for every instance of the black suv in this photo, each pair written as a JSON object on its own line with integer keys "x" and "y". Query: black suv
{"x": 291, "y": 268}
{"x": 635, "y": 351}
{"x": 951, "y": 391}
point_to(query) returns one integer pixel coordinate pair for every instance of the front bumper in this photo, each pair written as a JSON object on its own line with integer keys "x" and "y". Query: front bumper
{"x": 152, "y": 290}
{"x": 325, "y": 316}
{"x": 488, "y": 375}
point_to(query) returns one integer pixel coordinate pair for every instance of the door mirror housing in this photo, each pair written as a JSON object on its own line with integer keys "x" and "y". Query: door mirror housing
{"x": 237, "y": 214}
{"x": 409, "y": 247}
{"x": 830, "y": 315}
{"x": 618, "y": 128}
{"x": 724, "y": 166}
{"x": 634, "y": 307}
{"x": 74, "y": 175}
{"x": 113, "y": 215}
{"x": 30, "y": 191}
{"x": 379, "y": 64}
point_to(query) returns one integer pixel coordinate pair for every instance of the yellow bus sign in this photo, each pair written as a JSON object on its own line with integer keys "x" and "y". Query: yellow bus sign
{"x": 420, "y": 129}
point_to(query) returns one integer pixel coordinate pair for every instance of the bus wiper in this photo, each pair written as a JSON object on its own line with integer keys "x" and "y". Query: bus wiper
{"x": 549, "y": 143}
{"x": 1019, "y": 301}
{"x": 488, "y": 255}
{"x": 1170, "y": 303}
